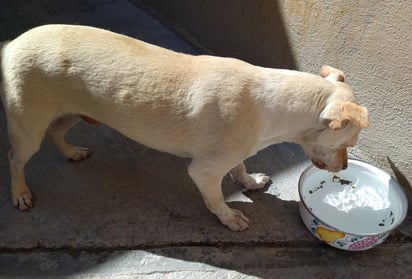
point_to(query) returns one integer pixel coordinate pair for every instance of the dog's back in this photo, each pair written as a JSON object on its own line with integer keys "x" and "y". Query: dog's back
{"x": 89, "y": 71}
{"x": 146, "y": 92}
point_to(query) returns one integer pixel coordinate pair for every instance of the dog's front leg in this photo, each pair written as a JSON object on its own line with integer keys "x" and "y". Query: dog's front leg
{"x": 208, "y": 179}
{"x": 250, "y": 181}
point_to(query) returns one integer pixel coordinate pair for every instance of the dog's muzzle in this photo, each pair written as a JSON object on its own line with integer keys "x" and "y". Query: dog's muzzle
{"x": 321, "y": 165}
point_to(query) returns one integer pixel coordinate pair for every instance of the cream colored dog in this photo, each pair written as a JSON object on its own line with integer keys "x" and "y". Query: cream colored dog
{"x": 217, "y": 111}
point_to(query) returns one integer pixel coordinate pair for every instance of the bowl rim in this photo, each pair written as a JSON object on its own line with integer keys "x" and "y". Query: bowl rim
{"x": 400, "y": 191}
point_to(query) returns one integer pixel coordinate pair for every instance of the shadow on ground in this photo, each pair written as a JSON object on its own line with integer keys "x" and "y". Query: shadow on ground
{"x": 127, "y": 195}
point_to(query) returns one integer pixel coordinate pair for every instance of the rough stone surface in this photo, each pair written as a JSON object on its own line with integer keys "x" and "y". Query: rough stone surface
{"x": 389, "y": 261}
{"x": 131, "y": 212}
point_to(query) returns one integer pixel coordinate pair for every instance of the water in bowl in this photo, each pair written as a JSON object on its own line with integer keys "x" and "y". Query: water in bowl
{"x": 358, "y": 200}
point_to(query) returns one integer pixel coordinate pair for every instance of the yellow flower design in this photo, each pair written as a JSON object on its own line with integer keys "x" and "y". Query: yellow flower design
{"x": 328, "y": 235}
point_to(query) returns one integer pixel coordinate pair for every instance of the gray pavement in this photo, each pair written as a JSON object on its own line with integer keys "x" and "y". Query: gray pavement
{"x": 129, "y": 211}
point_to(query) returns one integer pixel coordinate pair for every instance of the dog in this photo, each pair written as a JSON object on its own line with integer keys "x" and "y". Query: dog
{"x": 217, "y": 111}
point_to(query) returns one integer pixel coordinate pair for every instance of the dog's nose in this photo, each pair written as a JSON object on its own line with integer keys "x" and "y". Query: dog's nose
{"x": 319, "y": 164}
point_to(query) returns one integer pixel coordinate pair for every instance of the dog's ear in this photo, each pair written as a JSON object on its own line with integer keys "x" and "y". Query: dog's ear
{"x": 336, "y": 116}
{"x": 331, "y": 73}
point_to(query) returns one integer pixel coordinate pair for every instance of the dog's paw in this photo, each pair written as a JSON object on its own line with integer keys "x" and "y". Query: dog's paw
{"x": 256, "y": 181}
{"x": 23, "y": 201}
{"x": 78, "y": 153}
{"x": 235, "y": 220}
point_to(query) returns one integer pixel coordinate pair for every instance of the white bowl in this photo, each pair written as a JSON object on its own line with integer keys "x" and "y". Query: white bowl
{"x": 354, "y": 209}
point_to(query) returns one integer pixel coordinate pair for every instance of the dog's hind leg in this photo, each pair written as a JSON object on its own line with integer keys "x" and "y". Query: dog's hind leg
{"x": 25, "y": 140}
{"x": 56, "y": 132}
{"x": 208, "y": 179}
{"x": 251, "y": 181}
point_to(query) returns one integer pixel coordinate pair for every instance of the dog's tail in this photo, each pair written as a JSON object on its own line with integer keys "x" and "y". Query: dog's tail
{"x": 2, "y": 45}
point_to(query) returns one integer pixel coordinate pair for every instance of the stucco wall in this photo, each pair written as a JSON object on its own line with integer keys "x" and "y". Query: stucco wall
{"x": 370, "y": 40}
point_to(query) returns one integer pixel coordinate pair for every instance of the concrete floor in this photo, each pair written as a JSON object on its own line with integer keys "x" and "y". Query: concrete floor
{"x": 131, "y": 212}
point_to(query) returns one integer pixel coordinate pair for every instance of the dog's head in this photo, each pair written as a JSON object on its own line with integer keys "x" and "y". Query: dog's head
{"x": 340, "y": 123}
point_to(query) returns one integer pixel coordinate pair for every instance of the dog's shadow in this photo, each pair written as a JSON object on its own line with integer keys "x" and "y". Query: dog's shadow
{"x": 127, "y": 195}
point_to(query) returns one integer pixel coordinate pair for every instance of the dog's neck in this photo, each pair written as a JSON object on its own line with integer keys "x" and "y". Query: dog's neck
{"x": 291, "y": 104}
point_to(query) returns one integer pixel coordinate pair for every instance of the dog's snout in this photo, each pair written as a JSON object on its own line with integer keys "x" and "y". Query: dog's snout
{"x": 319, "y": 164}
